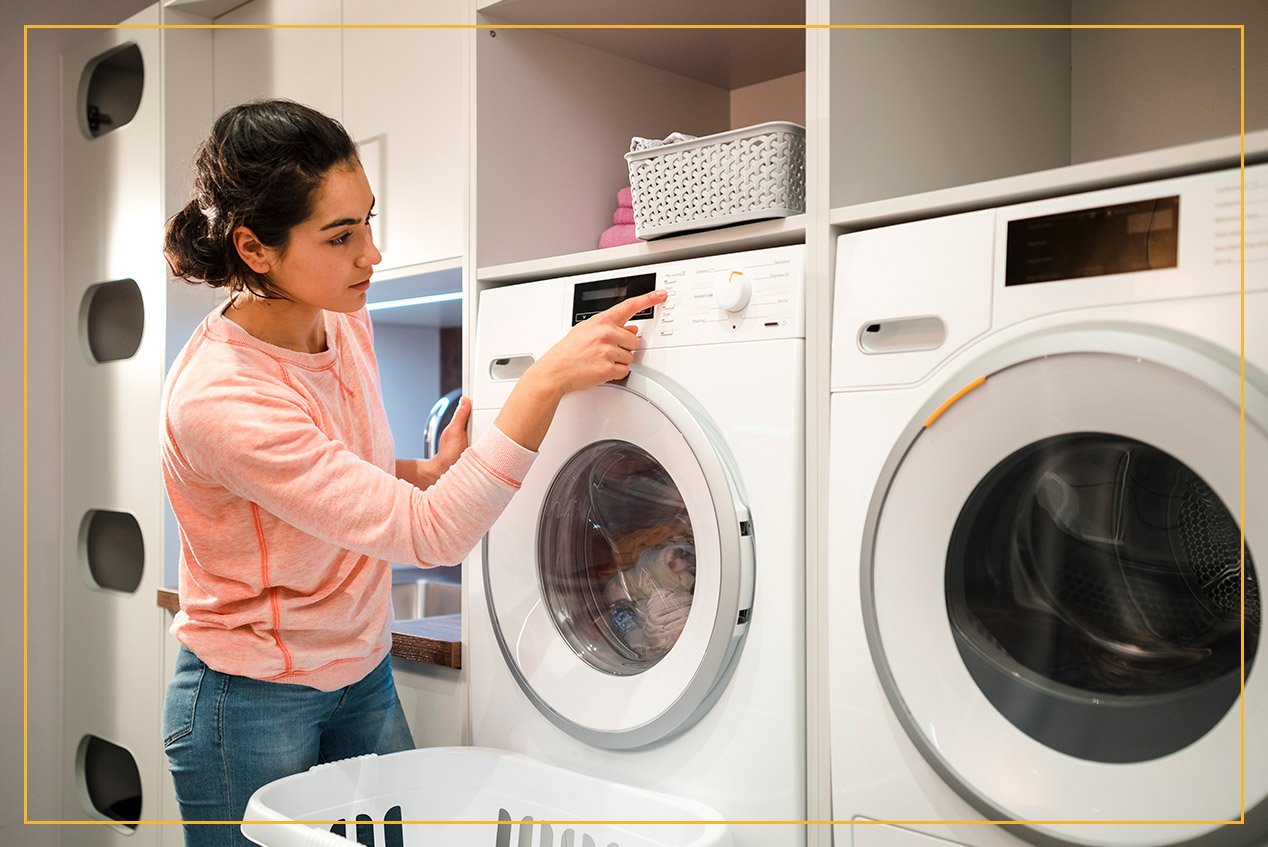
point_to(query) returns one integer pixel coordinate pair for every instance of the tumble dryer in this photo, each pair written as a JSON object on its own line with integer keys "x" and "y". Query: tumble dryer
{"x": 1036, "y": 522}
{"x": 637, "y": 613}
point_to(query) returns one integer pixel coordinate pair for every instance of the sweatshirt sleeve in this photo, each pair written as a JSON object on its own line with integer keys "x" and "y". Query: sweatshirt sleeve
{"x": 265, "y": 447}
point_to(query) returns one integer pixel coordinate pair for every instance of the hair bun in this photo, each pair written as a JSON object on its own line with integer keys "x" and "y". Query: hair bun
{"x": 193, "y": 251}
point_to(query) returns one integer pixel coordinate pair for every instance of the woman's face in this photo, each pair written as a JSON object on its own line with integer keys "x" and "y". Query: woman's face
{"x": 330, "y": 257}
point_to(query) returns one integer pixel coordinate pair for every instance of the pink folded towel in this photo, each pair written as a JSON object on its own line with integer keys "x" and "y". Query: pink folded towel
{"x": 623, "y": 198}
{"x": 617, "y": 235}
{"x": 623, "y": 215}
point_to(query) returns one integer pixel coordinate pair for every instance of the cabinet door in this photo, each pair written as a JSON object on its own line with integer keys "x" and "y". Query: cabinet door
{"x": 405, "y": 95}
{"x": 299, "y": 64}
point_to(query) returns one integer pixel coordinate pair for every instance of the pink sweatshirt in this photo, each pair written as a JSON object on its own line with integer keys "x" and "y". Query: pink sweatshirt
{"x": 281, "y": 471}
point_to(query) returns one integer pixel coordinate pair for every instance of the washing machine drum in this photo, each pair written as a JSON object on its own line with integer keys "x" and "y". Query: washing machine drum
{"x": 620, "y": 579}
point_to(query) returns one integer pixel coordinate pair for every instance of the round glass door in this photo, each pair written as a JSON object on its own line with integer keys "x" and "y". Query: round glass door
{"x": 1093, "y": 586}
{"x": 617, "y": 557}
{"x": 1051, "y": 591}
{"x": 619, "y": 580}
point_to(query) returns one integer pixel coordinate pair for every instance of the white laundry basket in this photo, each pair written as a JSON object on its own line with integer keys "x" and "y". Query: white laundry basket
{"x": 455, "y": 784}
{"x": 727, "y": 178}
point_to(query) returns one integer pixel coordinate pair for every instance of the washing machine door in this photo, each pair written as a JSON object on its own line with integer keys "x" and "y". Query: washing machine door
{"x": 1053, "y": 596}
{"x": 620, "y": 579}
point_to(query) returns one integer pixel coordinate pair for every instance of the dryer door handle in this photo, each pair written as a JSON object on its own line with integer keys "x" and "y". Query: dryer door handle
{"x": 902, "y": 335}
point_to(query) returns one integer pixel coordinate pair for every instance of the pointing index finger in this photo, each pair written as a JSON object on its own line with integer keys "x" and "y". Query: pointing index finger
{"x": 627, "y": 309}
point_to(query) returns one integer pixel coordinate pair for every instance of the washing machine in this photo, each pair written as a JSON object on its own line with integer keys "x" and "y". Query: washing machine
{"x": 637, "y": 612}
{"x": 1036, "y": 522}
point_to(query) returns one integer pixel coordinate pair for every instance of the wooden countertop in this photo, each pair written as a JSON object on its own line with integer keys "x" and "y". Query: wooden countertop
{"x": 435, "y": 640}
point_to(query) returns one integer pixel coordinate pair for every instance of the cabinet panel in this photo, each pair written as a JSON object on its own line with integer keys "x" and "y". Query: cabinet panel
{"x": 435, "y": 703}
{"x": 300, "y": 64}
{"x": 112, "y": 199}
{"x": 921, "y": 109}
{"x": 554, "y": 121}
{"x": 556, "y": 109}
{"x": 1143, "y": 89}
{"x": 405, "y": 95}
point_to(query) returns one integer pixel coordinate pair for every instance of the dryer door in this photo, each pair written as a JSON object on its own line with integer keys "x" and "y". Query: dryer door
{"x": 1053, "y": 597}
{"x": 620, "y": 579}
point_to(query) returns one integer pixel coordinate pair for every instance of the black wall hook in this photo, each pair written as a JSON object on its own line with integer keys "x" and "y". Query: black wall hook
{"x": 96, "y": 118}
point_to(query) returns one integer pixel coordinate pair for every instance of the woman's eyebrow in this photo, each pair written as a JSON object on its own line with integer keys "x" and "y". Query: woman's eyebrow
{"x": 347, "y": 221}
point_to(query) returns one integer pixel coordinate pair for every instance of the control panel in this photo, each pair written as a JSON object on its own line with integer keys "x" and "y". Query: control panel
{"x": 733, "y": 297}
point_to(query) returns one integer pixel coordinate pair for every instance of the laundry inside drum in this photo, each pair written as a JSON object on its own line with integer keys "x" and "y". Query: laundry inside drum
{"x": 616, "y": 557}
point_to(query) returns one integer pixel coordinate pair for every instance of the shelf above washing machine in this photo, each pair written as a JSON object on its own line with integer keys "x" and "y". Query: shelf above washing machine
{"x": 751, "y": 236}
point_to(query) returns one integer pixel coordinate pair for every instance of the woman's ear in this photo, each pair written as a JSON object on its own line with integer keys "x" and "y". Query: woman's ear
{"x": 258, "y": 256}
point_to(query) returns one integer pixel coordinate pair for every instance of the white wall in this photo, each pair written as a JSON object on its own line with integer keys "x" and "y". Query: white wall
{"x": 44, "y": 381}
{"x": 409, "y": 367}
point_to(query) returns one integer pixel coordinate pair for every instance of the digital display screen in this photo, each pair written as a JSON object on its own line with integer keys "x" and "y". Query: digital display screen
{"x": 612, "y": 292}
{"x": 1126, "y": 238}
{"x": 590, "y": 298}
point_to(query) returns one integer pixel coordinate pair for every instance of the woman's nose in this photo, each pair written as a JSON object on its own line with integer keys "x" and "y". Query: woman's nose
{"x": 371, "y": 255}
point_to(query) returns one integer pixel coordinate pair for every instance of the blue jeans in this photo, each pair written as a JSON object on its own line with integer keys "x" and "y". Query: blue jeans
{"x": 225, "y": 736}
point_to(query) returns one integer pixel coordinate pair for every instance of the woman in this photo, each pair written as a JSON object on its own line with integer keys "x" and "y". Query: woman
{"x": 278, "y": 462}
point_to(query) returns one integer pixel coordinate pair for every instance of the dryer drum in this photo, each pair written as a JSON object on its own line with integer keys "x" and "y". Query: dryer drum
{"x": 1210, "y": 539}
{"x": 1093, "y": 582}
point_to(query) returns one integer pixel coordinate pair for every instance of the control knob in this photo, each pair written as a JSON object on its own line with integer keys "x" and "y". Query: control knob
{"x": 733, "y": 293}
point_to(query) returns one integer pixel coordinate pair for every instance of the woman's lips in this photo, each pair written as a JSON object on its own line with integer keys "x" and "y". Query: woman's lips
{"x": 361, "y": 286}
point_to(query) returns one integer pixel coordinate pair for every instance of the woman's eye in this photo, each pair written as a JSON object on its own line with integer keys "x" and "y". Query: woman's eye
{"x": 341, "y": 239}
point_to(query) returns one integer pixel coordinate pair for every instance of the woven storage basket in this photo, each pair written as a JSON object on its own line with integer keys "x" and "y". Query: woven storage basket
{"x": 730, "y": 177}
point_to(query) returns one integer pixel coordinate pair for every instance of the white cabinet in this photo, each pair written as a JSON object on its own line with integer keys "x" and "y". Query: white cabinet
{"x": 435, "y": 703}
{"x": 299, "y": 64}
{"x": 405, "y": 98}
{"x": 920, "y": 110}
{"x": 396, "y": 80}
{"x": 113, "y": 288}
{"x": 556, "y": 110}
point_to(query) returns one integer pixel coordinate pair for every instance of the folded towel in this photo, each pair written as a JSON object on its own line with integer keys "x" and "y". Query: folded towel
{"x": 623, "y": 215}
{"x": 617, "y": 235}
{"x": 624, "y": 198}
{"x": 639, "y": 143}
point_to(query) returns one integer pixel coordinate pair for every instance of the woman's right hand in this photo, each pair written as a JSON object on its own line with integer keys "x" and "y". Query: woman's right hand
{"x": 597, "y": 350}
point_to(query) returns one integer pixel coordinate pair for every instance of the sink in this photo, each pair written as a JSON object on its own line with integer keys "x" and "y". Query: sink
{"x": 425, "y": 598}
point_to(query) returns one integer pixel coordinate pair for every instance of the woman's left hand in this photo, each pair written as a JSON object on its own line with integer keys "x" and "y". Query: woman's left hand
{"x": 421, "y": 473}
{"x": 453, "y": 438}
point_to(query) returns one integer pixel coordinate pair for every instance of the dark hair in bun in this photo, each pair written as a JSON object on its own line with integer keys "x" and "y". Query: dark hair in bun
{"x": 259, "y": 168}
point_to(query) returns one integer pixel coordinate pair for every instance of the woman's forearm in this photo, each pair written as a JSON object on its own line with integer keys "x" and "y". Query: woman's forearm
{"x": 420, "y": 473}
{"x": 527, "y": 413}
